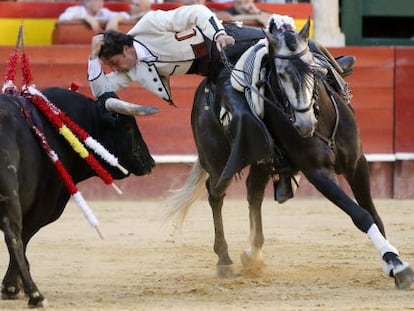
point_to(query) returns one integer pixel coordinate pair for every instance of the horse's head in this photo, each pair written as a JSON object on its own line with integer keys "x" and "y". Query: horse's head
{"x": 293, "y": 75}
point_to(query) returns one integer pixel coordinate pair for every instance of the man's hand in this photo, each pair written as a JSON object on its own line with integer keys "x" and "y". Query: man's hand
{"x": 93, "y": 23}
{"x": 223, "y": 41}
{"x": 96, "y": 44}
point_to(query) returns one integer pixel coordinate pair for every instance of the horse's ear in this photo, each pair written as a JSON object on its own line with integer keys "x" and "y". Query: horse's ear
{"x": 272, "y": 25}
{"x": 272, "y": 40}
{"x": 304, "y": 32}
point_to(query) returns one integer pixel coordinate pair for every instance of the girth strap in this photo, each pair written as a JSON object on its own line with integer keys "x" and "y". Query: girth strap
{"x": 330, "y": 141}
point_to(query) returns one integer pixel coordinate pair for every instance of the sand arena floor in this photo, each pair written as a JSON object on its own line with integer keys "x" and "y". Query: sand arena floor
{"x": 315, "y": 259}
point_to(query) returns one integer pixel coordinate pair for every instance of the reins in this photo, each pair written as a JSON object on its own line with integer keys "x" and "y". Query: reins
{"x": 331, "y": 140}
{"x": 247, "y": 85}
{"x": 297, "y": 55}
{"x": 275, "y": 103}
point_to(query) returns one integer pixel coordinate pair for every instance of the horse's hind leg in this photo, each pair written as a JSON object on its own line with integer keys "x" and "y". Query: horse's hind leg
{"x": 256, "y": 184}
{"x": 394, "y": 266}
{"x": 359, "y": 181}
{"x": 224, "y": 266}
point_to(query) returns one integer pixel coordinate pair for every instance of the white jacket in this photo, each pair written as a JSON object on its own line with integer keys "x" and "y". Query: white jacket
{"x": 168, "y": 37}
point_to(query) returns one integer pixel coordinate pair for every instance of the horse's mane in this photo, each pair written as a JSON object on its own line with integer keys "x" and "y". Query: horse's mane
{"x": 301, "y": 73}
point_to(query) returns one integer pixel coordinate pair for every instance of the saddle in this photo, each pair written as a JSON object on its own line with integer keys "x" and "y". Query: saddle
{"x": 246, "y": 77}
{"x": 246, "y": 74}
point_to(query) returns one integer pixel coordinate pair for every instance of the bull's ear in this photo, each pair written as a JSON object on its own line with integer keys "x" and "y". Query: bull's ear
{"x": 304, "y": 32}
{"x": 116, "y": 105}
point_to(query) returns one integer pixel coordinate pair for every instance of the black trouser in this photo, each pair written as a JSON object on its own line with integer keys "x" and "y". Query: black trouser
{"x": 249, "y": 138}
{"x": 211, "y": 65}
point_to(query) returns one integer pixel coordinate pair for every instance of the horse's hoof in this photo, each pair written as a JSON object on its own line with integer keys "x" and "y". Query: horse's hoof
{"x": 37, "y": 301}
{"x": 404, "y": 279}
{"x": 224, "y": 271}
{"x": 250, "y": 261}
{"x": 10, "y": 293}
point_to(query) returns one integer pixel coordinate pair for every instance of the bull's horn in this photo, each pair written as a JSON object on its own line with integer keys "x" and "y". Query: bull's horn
{"x": 123, "y": 107}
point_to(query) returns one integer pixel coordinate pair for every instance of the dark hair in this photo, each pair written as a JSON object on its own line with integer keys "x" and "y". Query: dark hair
{"x": 114, "y": 43}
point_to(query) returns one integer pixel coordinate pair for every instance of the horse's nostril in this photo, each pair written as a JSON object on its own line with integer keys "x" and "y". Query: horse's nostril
{"x": 305, "y": 133}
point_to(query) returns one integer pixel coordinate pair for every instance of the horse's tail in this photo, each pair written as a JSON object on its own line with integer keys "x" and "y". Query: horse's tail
{"x": 181, "y": 201}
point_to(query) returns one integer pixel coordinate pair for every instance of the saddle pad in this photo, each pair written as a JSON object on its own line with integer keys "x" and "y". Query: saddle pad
{"x": 247, "y": 72}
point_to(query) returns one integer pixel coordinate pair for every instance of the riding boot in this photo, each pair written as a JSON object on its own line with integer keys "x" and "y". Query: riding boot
{"x": 249, "y": 138}
{"x": 284, "y": 189}
{"x": 346, "y": 63}
{"x": 338, "y": 68}
{"x": 342, "y": 64}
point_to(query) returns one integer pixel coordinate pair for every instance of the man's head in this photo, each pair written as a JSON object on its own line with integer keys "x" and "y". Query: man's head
{"x": 93, "y": 6}
{"x": 245, "y": 7}
{"x": 118, "y": 51}
{"x": 139, "y": 6}
{"x": 191, "y": 2}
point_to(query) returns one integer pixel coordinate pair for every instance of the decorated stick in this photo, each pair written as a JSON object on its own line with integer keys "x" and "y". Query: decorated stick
{"x": 79, "y": 132}
{"x": 10, "y": 72}
{"x": 10, "y": 87}
{"x": 67, "y": 180}
{"x": 42, "y": 103}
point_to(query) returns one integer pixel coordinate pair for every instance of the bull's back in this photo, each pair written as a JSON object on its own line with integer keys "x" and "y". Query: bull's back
{"x": 23, "y": 165}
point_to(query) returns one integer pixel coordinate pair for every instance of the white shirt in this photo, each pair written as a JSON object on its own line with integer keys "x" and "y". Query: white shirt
{"x": 79, "y": 11}
{"x": 164, "y": 46}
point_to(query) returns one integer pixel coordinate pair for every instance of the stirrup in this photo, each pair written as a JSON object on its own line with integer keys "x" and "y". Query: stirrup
{"x": 283, "y": 189}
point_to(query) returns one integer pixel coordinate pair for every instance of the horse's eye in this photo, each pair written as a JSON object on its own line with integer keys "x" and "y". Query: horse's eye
{"x": 283, "y": 77}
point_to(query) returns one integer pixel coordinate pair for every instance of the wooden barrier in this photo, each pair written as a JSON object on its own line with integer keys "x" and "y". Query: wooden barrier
{"x": 372, "y": 87}
{"x": 404, "y": 125}
{"x": 39, "y": 20}
{"x": 381, "y": 97}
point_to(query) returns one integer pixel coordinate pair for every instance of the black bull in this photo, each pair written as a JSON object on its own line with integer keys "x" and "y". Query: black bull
{"x": 32, "y": 194}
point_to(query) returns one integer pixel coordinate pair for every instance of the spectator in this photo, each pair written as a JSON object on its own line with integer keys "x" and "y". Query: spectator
{"x": 244, "y": 11}
{"x": 138, "y": 8}
{"x": 94, "y": 14}
{"x": 192, "y": 2}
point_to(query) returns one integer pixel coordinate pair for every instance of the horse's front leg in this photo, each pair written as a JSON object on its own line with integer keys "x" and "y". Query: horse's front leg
{"x": 256, "y": 182}
{"x": 359, "y": 181}
{"x": 224, "y": 268}
{"x": 394, "y": 266}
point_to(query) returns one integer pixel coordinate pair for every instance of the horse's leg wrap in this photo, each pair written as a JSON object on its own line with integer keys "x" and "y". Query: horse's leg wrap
{"x": 382, "y": 245}
{"x": 392, "y": 265}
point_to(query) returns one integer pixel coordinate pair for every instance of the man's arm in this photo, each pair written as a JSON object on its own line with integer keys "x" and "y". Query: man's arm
{"x": 99, "y": 82}
{"x": 184, "y": 18}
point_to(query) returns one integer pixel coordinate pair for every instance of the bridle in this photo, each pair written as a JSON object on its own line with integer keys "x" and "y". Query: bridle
{"x": 288, "y": 107}
{"x": 292, "y": 56}
{"x": 278, "y": 101}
